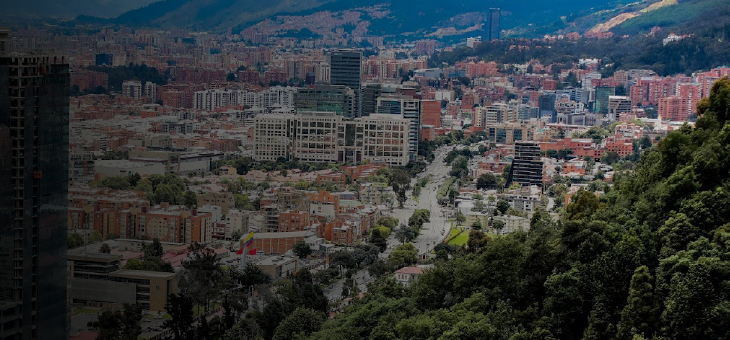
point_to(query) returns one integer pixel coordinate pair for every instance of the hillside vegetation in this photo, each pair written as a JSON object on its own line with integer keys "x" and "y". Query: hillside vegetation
{"x": 649, "y": 260}
{"x": 672, "y": 15}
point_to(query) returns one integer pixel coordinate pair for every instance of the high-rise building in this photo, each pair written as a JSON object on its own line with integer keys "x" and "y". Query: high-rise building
{"x": 34, "y": 116}
{"x": 132, "y": 89}
{"x": 602, "y": 94}
{"x": 674, "y": 108}
{"x": 370, "y": 94}
{"x": 408, "y": 108}
{"x": 326, "y": 98}
{"x": 493, "y": 30}
{"x": 104, "y": 59}
{"x": 4, "y": 33}
{"x": 546, "y": 103}
{"x": 346, "y": 69}
{"x": 431, "y": 112}
{"x": 618, "y": 105}
{"x": 527, "y": 165}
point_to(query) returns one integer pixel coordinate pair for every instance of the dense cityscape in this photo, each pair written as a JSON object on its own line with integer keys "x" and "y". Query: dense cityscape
{"x": 311, "y": 175}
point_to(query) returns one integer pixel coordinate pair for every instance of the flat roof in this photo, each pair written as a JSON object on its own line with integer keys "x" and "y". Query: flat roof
{"x": 282, "y": 235}
{"x": 275, "y": 260}
{"x": 141, "y": 273}
{"x": 98, "y": 257}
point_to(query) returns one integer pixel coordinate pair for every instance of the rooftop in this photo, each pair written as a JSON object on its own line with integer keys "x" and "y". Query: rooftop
{"x": 141, "y": 273}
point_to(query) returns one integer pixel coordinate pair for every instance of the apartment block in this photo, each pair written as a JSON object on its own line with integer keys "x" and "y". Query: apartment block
{"x": 527, "y": 165}
{"x": 674, "y": 108}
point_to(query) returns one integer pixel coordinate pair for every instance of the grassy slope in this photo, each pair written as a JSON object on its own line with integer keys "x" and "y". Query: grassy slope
{"x": 671, "y": 15}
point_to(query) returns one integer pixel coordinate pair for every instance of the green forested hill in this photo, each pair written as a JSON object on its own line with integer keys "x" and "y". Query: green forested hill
{"x": 649, "y": 260}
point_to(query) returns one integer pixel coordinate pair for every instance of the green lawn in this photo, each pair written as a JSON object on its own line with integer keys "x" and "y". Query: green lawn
{"x": 460, "y": 239}
{"x": 453, "y": 233}
{"x": 86, "y": 310}
{"x": 197, "y": 310}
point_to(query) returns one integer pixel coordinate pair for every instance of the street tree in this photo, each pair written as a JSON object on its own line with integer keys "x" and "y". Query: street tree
{"x": 301, "y": 249}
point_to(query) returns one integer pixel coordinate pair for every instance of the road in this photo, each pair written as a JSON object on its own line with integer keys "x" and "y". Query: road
{"x": 431, "y": 233}
{"x": 437, "y": 229}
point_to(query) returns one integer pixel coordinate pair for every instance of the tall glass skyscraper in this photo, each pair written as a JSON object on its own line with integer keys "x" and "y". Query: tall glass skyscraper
{"x": 494, "y": 29}
{"x": 346, "y": 69}
{"x": 34, "y": 115}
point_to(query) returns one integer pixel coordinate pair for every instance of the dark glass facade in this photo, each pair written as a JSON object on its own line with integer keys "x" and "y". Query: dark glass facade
{"x": 346, "y": 69}
{"x": 325, "y": 98}
{"x": 34, "y": 111}
{"x": 494, "y": 29}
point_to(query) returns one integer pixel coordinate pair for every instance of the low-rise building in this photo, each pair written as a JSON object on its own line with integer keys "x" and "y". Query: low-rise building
{"x": 407, "y": 275}
{"x": 278, "y": 267}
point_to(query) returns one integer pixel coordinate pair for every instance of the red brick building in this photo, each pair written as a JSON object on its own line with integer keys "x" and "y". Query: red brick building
{"x": 431, "y": 113}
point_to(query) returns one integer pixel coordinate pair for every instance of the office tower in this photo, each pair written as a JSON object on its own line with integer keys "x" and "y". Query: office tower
{"x": 326, "y": 98}
{"x": 602, "y": 94}
{"x": 34, "y": 110}
{"x": 408, "y": 108}
{"x": 346, "y": 69}
{"x": 618, "y": 105}
{"x": 370, "y": 94}
{"x": 527, "y": 165}
{"x": 546, "y": 103}
{"x": 104, "y": 59}
{"x": 4, "y": 33}
{"x": 493, "y": 30}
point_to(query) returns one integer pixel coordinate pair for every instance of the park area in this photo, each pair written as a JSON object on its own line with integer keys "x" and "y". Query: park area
{"x": 458, "y": 237}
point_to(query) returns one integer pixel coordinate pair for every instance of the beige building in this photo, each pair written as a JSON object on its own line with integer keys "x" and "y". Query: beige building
{"x": 278, "y": 267}
{"x": 96, "y": 280}
{"x": 325, "y": 137}
{"x": 221, "y": 199}
{"x": 152, "y": 288}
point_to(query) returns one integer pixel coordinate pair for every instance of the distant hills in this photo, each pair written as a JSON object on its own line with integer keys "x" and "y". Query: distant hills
{"x": 71, "y": 8}
{"x": 640, "y": 17}
{"x": 412, "y": 19}
{"x": 409, "y": 17}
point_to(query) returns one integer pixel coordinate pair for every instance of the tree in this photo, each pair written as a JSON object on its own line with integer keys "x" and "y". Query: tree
{"x": 94, "y": 237}
{"x": 582, "y": 205}
{"x": 502, "y": 206}
{"x": 401, "y": 182}
{"x": 640, "y": 314}
{"x": 402, "y": 256}
{"x": 487, "y": 181}
{"x": 405, "y": 233}
{"x": 201, "y": 274}
{"x": 190, "y": 200}
{"x": 74, "y": 240}
{"x": 180, "y": 308}
{"x": 498, "y": 225}
{"x": 154, "y": 249}
{"x": 479, "y": 206}
{"x": 301, "y": 249}
{"x": 610, "y": 157}
{"x": 123, "y": 325}
{"x": 302, "y": 322}
{"x": 476, "y": 225}
{"x": 460, "y": 218}
{"x": 105, "y": 248}
{"x": 377, "y": 239}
